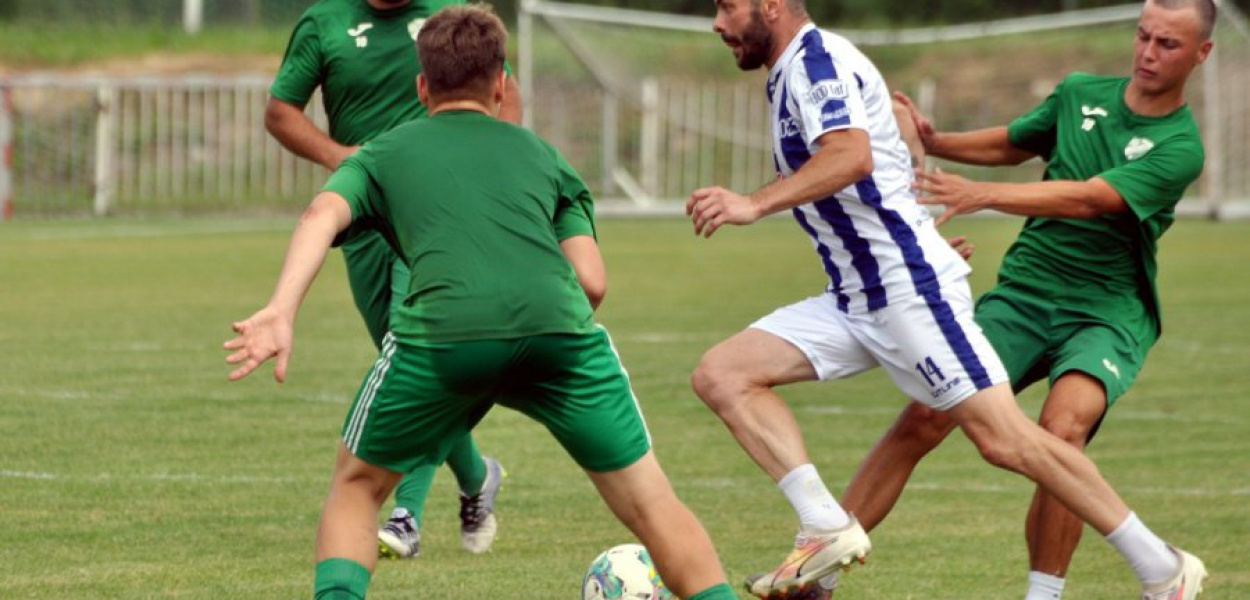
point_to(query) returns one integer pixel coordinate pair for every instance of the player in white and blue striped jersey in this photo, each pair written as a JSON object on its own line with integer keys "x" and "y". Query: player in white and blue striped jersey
{"x": 897, "y": 298}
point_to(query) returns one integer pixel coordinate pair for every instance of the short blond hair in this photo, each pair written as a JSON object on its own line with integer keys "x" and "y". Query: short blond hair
{"x": 1207, "y": 12}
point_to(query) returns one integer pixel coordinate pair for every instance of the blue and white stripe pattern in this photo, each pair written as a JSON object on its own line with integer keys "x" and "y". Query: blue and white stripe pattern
{"x": 874, "y": 241}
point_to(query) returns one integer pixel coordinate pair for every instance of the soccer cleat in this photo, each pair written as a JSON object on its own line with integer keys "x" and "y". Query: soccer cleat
{"x": 821, "y": 590}
{"x": 816, "y": 555}
{"x": 478, "y": 525}
{"x": 399, "y": 536}
{"x": 1185, "y": 585}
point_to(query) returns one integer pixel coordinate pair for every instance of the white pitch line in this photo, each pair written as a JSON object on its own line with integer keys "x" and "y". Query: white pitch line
{"x": 1122, "y": 415}
{"x": 664, "y": 338}
{"x": 161, "y": 477}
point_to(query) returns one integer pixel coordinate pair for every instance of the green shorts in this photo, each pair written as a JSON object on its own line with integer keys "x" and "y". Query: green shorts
{"x": 420, "y": 398}
{"x": 1039, "y": 339}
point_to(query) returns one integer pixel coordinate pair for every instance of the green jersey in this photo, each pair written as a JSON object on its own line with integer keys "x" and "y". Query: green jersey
{"x": 365, "y": 61}
{"x": 1104, "y": 266}
{"x": 477, "y": 209}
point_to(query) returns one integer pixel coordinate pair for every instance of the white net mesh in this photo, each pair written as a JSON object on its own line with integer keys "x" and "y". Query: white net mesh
{"x": 664, "y": 107}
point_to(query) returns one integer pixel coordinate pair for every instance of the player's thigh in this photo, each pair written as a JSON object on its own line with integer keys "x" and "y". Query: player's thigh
{"x": 1105, "y": 352}
{"x": 932, "y": 348}
{"x": 1018, "y": 327}
{"x": 576, "y": 387}
{"x": 419, "y": 401}
{"x": 810, "y": 339}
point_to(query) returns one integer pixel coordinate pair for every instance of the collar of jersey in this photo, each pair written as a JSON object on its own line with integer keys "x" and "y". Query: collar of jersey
{"x": 793, "y": 48}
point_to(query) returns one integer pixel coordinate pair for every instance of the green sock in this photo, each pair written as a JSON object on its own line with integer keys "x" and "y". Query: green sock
{"x": 720, "y": 591}
{"x": 466, "y": 463}
{"x": 412, "y": 490}
{"x": 340, "y": 579}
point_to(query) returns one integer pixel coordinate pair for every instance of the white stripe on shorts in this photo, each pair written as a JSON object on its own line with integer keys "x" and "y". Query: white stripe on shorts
{"x": 628, "y": 384}
{"x": 377, "y": 375}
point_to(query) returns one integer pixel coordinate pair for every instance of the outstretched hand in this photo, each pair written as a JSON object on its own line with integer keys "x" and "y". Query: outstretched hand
{"x": 263, "y": 336}
{"x": 924, "y": 127}
{"x": 955, "y": 193}
{"x": 712, "y": 207}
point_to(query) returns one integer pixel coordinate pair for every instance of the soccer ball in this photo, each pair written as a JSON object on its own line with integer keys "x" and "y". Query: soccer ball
{"x": 624, "y": 572}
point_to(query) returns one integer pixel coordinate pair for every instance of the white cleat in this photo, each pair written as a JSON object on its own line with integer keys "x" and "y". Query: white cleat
{"x": 816, "y": 556}
{"x": 1185, "y": 585}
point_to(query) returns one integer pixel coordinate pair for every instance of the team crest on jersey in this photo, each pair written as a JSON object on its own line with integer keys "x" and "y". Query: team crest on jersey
{"x": 414, "y": 27}
{"x": 1137, "y": 148}
{"x": 827, "y": 90}
{"x": 358, "y": 33}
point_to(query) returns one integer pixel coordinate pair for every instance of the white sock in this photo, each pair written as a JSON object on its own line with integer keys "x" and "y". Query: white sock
{"x": 811, "y": 500}
{"x": 1150, "y": 558}
{"x": 1044, "y": 587}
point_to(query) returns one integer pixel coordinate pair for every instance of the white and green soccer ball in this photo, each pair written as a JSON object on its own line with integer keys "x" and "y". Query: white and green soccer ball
{"x": 624, "y": 572}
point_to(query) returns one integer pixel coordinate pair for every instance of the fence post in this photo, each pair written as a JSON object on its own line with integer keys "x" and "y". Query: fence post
{"x": 525, "y": 61}
{"x": 192, "y": 16}
{"x": 6, "y": 155}
{"x": 1213, "y": 136}
{"x": 609, "y": 144}
{"x": 105, "y": 142}
{"x": 649, "y": 142}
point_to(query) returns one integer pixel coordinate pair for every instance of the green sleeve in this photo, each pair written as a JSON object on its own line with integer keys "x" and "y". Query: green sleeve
{"x": 353, "y": 181}
{"x": 575, "y": 212}
{"x": 1156, "y": 181}
{"x": 1035, "y": 131}
{"x": 300, "y": 73}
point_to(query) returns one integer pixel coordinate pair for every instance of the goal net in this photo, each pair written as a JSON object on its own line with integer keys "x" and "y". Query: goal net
{"x": 651, "y": 106}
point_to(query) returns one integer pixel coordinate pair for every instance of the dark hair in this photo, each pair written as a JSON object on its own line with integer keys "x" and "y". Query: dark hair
{"x": 1206, "y": 12}
{"x": 462, "y": 50}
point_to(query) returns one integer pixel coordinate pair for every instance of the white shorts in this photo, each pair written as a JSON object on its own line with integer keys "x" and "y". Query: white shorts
{"x": 929, "y": 345}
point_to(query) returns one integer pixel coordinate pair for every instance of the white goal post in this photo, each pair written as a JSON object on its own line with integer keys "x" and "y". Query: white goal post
{"x": 645, "y": 180}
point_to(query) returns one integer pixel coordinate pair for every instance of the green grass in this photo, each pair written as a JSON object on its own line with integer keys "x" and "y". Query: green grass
{"x": 23, "y": 45}
{"x": 130, "y": 468}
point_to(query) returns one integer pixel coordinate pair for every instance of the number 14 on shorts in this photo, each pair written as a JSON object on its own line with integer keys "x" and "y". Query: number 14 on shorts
{"x": 932, "y": 374}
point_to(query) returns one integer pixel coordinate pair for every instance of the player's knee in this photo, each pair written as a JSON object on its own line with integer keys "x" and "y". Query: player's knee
{"x": 1068, "y": 428}
{"x": 715, "y": 381}
{"x": 920, "y": 428}
{"x": 1002, "y": 456}
{"x": 1010, "y": 450}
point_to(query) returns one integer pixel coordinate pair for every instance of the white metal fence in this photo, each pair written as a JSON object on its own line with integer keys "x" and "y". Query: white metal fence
{"x": 188, "y": 144}
{"x": 149, "y": 144}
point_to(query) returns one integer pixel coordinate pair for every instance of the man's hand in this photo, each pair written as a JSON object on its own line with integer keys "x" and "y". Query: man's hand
{"x": 961, "y": 245}
{"x": 957, "y": 194}
{"x": 925, "y": 132}
{"x": 712, "y": 207}
{"x": 262, "y": 336}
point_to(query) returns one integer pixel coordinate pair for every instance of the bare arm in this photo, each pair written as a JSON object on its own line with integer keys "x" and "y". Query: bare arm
{"x": 288, "y": 124}
{"x": 988, "y": 147}
{"x": 269, "y": 333}
{"x": 1060, "y": 199}
{"x": 844, "y": 158}
{"x": 510, "y": 109}
{"x": 582, "y": 251}
{"x": 911, "y": 137}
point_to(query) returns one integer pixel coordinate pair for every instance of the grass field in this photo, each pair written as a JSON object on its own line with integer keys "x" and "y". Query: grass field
{"x": 130, "y": 468}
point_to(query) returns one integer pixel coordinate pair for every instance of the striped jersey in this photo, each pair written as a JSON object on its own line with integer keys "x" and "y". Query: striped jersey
{"x": 875, "y": 242}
